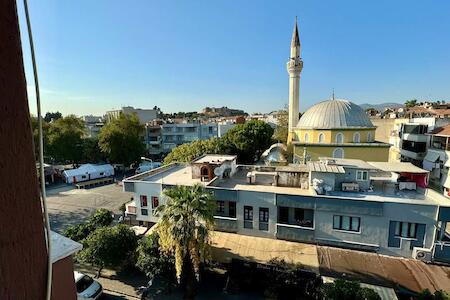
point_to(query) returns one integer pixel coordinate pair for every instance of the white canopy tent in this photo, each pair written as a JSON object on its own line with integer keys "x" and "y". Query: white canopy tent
{"x": 88, "y": 172}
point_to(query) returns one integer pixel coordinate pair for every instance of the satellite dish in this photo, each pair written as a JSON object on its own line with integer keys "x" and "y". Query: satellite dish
{"x": 218, "y": 171}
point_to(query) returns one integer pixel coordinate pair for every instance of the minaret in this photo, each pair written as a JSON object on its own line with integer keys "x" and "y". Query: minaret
{"x": 294, "y": 67}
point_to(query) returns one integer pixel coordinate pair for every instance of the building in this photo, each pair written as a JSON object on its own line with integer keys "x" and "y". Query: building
{"x": 222, "y": 112}
{"x": 437, "y": 158}
{"x": 377, "y": 207}
{"x": 92, "y": 124}
{"x": 180, "y": 133}
{"x": 336, "y": 128}
{"x": 409, "y": 138}
{"x": 144, "y": 115}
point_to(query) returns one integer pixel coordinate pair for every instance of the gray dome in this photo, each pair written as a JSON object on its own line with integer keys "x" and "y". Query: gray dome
{"x": 334, "y": 114}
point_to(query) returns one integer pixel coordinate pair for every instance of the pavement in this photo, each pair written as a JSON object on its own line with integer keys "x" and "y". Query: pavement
{"x": 69, "y": 206}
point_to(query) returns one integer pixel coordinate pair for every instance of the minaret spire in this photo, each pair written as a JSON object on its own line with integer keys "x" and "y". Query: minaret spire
{"x": 294, "y": 67}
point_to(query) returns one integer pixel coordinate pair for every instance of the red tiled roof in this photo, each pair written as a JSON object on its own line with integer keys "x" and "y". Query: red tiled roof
{"x": 444, "y": 130}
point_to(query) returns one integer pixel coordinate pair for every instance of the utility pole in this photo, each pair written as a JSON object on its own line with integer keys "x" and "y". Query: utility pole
{"x": 23, "y": 259}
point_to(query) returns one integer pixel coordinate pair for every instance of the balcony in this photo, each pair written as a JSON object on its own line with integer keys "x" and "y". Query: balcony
{"x": 226, "y": 224}
{"x": 294, "y": 233}
{"x": 415, "y": 137}
{"x": 412, "y": 155}
{"x": 442, "y": 252}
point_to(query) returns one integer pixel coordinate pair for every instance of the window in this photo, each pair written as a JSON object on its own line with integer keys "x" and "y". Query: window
{"x": 248, "y": 213}
{"x": 144, "y": 212}
{"x": 369, "y": 137}
{"x": 346, "y": 223}
{"x": 101, "y": 173}
{"x": 362, "y": 175}
{"x": 283, "y": 216}
{"x": 263, "y": 218}
{"x": 321, "y": 137}
{"x": 155, "y": 202}
{"x": 304, "y": 217}
{"x": 83, "y": 176}
{"x": 338, "y": 153}
{"x": 232, "y": 209}
{"x": 220, "y": 206}
{"x": 263, "y": 214}
{"x": 406, "y": 230}
{"x": 356, "y": 137}
{"x": 339, "y": 138}
{"x": 144, "y": 201}
{"x": 306, "y": 138}
{"x": 84, "y": 283}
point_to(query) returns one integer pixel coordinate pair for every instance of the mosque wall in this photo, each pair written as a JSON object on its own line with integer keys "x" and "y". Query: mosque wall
{"x": 330, "y": 135}
{"x": 366, "y": 153}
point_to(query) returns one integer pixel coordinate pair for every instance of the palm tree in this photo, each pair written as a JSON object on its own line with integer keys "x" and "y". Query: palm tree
{"x": 184, "y": 226}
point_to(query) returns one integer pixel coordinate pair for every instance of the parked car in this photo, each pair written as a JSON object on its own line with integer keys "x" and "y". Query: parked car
{"x": 87, "y": 288}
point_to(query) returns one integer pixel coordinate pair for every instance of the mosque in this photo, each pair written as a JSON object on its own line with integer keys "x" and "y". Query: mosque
{"x": 332, "y": 128}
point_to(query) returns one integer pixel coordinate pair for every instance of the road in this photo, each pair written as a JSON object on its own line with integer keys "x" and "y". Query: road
{"x": 68, "y": 206}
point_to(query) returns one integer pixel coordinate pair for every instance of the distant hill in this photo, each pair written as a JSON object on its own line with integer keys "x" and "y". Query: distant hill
{"x": 381, "y": 106}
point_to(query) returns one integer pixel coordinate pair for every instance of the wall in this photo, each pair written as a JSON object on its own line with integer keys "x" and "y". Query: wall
{"x": 63, "y": 282}
{"x": 256, "y": 200}
{"x": 384, "y": 129}
{"x": 149, "y": 189}
{"x": 372, "y": 153}
{"x": 330, "y": 135}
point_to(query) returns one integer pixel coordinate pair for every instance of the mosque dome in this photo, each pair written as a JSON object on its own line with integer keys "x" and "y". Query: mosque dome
{"x": 334, "y": 114}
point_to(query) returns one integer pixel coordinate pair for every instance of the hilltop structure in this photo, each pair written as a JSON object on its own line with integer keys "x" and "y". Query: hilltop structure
{"x": 334, "y": 128}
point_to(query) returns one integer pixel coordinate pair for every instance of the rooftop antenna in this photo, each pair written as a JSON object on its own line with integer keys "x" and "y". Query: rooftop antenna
{"x": 333, "y": 95}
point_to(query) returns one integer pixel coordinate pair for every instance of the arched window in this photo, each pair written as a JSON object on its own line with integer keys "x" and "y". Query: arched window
{"x": 321, "y": 137}
{"x": 338, "y": 153}
{"x": 369, "y": 137}
{"x": 339, "y": 138}
{"x": 356, "y": 137}
{"x": 306, "y": 138}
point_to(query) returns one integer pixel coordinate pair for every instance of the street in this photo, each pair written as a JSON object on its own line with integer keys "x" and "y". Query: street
{"x": 68, "y": 206}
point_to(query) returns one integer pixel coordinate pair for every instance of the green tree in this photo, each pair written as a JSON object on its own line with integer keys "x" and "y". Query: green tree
{"x": 411, "y": 103}
{"x": 438, "y": 295}
{"x": 184, "y": 228}
{"x": 281, "y": 131}
{"x": 35, "y": 129}
{"x": 91, "y": 151}
{"x": 101, "y": 218}
{"x": 187, "y": 152}
{"x": 112, "y": 247}
{"x": 122, "y": 139}
{"x": 65, "y": 139}
{"x": 52, "y": 116}
{"x": 152, "y": 261}
{"x": 344, "y": 289}
{"x": 248, "y": 140}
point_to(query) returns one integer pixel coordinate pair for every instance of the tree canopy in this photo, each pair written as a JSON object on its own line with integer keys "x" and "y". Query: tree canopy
{"x": 438, "y": 295}
{"x": 187, "y": 152}
{"x": 248, "y": 140}
{"x": 122, "y": 139}
{"x": 65, "y": 139}
{"x": 344, "y": 289}
{"x": 52, "y": 116}
{"x": 101, "y": 218}
{"x": 281, "y": 131}
{"x": 411, "y": 103}
{"x": 109, "y": 247}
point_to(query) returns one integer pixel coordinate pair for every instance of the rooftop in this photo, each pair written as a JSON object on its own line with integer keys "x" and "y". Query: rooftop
{"x": 214, "y": 158}
{"x": 62, "y": 247}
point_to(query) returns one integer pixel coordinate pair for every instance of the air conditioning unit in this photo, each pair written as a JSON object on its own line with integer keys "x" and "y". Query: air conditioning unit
{"x": 422, "y": 254}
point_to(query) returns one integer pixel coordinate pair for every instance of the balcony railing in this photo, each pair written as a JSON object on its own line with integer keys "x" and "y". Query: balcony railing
{"x": 227, "y": 224}
{"x": 442, "y": 252}
{"x": 295, "y": 233}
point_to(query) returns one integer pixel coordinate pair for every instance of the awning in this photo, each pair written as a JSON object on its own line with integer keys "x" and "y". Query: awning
{"x": 429, "y": 165}
{"x": 228, "y": 246}
{"x": 398, "y": 167}
{"x": 432, "y": 156}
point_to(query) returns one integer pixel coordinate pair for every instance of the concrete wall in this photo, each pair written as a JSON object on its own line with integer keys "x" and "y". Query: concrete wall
{"x": 149, "y": 189}
{"x": 384, "y": 129}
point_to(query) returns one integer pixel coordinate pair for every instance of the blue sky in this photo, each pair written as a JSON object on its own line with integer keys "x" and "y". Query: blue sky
{"x": 184, "y": 55}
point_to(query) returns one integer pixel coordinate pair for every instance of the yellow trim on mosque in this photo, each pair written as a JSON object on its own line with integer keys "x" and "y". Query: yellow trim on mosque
{"x": 366, "y": 135}
{"x": 375, "y": 152}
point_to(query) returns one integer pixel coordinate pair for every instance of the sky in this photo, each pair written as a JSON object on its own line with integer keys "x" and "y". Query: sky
{"x": 95, "y": 56}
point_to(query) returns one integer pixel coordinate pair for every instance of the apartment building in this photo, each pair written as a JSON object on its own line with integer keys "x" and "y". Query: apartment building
{"x": 92, "y": 124}
{"x": 144, "y": 115}
{"x": 378, "y": 207}
{"x": 437, "y": 158}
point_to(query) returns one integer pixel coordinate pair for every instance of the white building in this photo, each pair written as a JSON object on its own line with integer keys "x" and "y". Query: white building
{"x": 144, "y": 115}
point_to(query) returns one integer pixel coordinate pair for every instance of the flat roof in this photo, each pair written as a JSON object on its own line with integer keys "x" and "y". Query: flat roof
{"x": 316, "y": 166}
{"x": 214, "y": 158}
{"x": 350, "y": 163}
{"x": 398, "y": 167}
{"x": 176, "y": 175}
{"x": 263, "y": 184}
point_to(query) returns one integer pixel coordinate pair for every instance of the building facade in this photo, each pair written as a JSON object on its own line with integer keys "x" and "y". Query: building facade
{"x": 144, "y": 115}
{"x": 377, "y": 207}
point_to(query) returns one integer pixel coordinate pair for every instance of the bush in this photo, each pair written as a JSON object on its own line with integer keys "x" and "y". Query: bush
{"x": 344, "y": 289}
{"x": 438, "y": 295}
